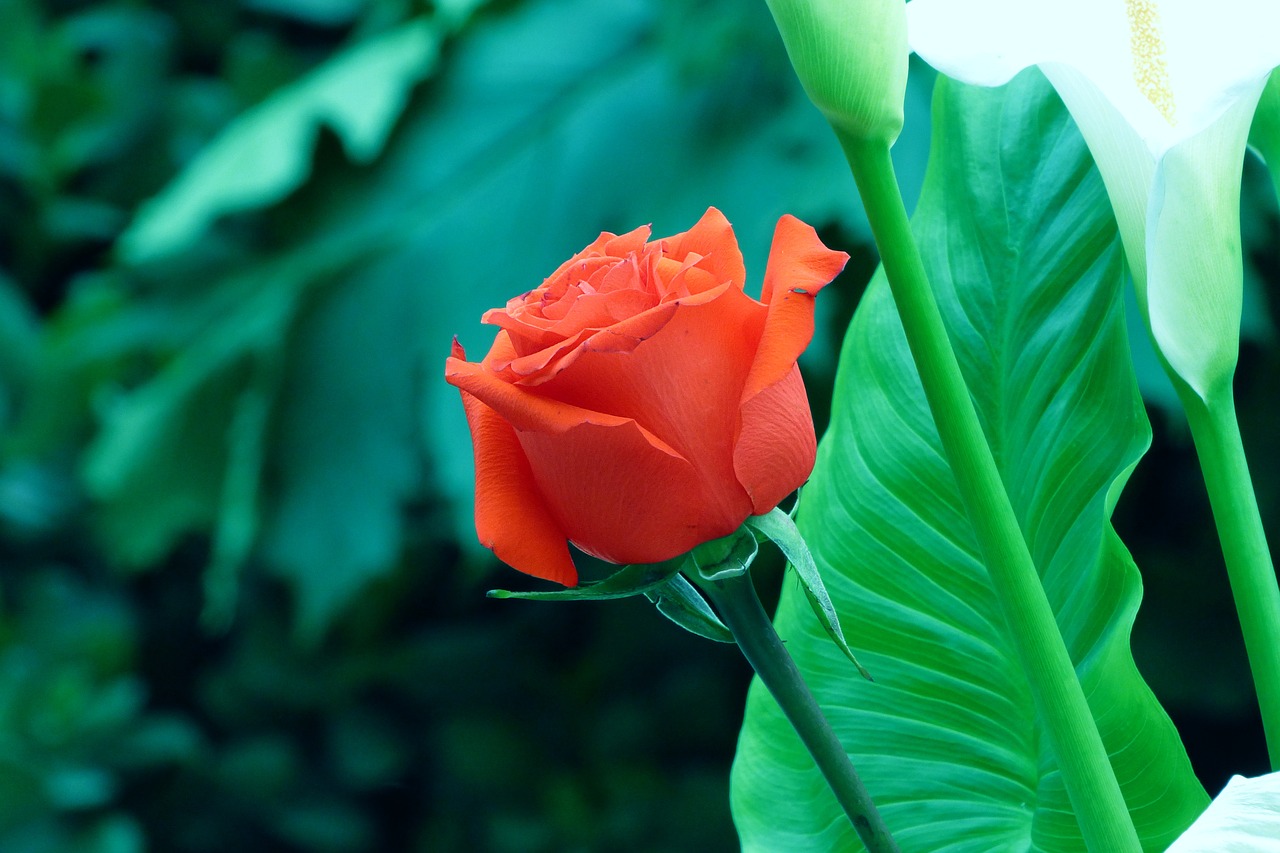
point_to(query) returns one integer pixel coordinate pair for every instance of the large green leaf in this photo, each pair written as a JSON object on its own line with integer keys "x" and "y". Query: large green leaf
{"x": 1019, "y": 241}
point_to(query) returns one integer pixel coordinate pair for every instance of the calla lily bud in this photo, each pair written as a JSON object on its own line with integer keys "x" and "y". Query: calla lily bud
{"x": 851, "y": 57}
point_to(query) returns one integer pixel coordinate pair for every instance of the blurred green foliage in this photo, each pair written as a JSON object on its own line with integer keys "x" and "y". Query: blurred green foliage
{"x": 240, "y": 600}
{"x": 241, "y": 605}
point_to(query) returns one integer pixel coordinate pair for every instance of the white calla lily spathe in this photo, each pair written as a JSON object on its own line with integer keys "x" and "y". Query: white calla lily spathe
{"x": 1244, "y": 818}
{"x": 1164, "y": 92}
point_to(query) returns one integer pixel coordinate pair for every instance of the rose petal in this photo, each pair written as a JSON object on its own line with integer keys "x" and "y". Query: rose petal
{"x": 712, "y": 238}
{"x": 624, "y": 275}
{"x": 683, "y": 384}
{"x": 631, "y": 242}
{"x": 776, "y": 446}
{"x": 621, "y": 494}
{"x": 520, "y": 407}
{"x": 529, "y": 333}
{"x": 798, "y": 260}
{"x": 599, "y": 310}
{"x": 683, "y": 279}
{"x": 500, "y": 354}
{"x": 533, "y": 369}
{"x": 799, "y": 266}
{"x": 607, "y": 245}
{"x": 624, "y": 336}
{"x": 512, "y": 518}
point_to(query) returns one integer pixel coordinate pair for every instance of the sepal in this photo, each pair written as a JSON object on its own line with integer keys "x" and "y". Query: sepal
{"x": 635, "y": 579}
{"x": 726, "y": 557}
{"x": 778, "y": 527}
{"x": 680, "y": 601}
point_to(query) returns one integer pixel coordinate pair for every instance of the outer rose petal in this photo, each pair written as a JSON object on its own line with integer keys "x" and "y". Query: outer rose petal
{"x": 519, "y": 407}
{"x": 799, "y": 266}
{"x": 620, "y": 496}
{"x": 684, "y": 385}
{"x": 776, "y": 448}
{"x": 610, "y": 485}
{"x": 512, "y": 519}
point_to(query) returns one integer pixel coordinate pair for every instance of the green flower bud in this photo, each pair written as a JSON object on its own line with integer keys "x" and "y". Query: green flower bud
{"x": 851, "y": 57}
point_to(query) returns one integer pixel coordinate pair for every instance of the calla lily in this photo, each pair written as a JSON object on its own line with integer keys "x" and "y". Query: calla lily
{"x": 1244, "y": 818}
{"x": 1163, "y": 91}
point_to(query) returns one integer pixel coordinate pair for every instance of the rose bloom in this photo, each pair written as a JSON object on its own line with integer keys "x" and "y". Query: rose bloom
{"x": 638, "y": 403}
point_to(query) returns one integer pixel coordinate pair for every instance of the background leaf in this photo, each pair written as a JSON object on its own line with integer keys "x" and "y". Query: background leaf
{"x": 1019, "y": 241}
{"x": 266, "y": 153}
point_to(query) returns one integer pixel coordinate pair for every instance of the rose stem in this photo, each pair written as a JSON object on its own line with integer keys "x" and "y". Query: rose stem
{"x": 1216, "y": 434}
{"x": 1059, "y": 699}
{"x": 736, "y": 600}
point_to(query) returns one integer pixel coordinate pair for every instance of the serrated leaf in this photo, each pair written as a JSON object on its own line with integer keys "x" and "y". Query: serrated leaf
{"x": 778, "y": 527}
{"x": 1018, "y": 238}
{"x": 635, "y": 579}
{"x": 680, "y": 601}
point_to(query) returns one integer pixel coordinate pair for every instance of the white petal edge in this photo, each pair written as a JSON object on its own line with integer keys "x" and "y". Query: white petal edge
{"x": 1214, "y": 52}
{"x": 1244, "y": 818}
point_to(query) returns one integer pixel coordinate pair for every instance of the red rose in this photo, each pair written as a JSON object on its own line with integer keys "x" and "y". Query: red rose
{"x": 639, "y": 403}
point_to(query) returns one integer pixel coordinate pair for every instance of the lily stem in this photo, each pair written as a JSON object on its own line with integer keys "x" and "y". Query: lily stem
{"x": 1055, "y": 688}
{"x": 1216, "y": 433}
{"x": 739, "y": 607}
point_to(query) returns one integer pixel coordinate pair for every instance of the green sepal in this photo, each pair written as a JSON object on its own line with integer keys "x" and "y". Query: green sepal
{"x": 778, "y": 527}
{"x": 680, "y": 601}
{"x": 726, "y": 557}
{"x": 635, "y": 579}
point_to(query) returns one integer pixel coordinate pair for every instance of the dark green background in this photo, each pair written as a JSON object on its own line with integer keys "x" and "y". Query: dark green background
{"x": 241, "y": 606}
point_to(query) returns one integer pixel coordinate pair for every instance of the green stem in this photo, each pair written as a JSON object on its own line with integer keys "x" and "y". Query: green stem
{"x": 736, "y": 601}
{"x": 1244, "y": 547}
{"x": 1086, "y": 770}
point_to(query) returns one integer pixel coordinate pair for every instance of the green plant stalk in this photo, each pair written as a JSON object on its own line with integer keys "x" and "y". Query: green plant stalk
{"x": 739, "y": 607}
{"x": 1216, "y": 434}
{"x": 1059, "y": 699}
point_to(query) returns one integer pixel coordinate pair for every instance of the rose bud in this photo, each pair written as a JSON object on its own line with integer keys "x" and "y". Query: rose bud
{"x": 638, "y": 403}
